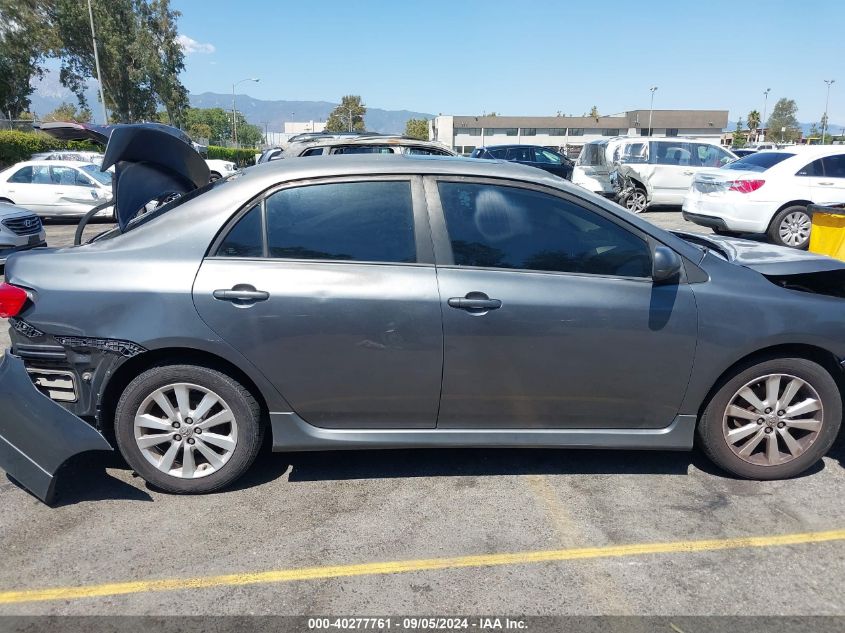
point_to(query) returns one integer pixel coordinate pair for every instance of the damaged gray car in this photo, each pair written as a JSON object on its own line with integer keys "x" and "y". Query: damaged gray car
{"x": 363, "y": 302}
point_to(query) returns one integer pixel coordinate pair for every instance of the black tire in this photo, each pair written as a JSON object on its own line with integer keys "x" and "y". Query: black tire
{"x": 214, "y": 176}
{"x": 712, "y": 438}
{"x": 774, "y": 228}
{"x": 243, "y": 405}
{"x": 636, "y": 201}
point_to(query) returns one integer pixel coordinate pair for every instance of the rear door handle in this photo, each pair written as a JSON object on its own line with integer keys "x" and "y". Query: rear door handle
{"x": 827, "y": 184}
{"x": 475, "y": 301}
{"x": 241, "y": 294}
{"x": 689, "y": 173}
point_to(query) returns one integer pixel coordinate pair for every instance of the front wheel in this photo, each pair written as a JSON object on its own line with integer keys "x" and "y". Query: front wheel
{"x": 188, "y": 428}
{"x": 772, "y": 420}
{"x": 636, "y": 201}
{"x": 214, "y": 176}
{"x": 791, "y": 227}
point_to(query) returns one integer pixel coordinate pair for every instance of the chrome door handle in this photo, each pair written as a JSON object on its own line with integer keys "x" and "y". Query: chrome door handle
{"x": 689, "y": 173}
{"x": 241, "y": 294}
{"x": 827, "y": 184}
{"x": 475, "y": 301}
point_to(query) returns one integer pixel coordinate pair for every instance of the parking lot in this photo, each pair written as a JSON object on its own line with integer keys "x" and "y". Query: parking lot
{"x": 432, "y": 532}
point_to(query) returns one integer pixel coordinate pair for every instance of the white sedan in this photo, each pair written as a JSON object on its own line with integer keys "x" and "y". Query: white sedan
{"x": 54, "y": 188}
{"x": 219, "y": 168}
{"x": 769, "y": 192}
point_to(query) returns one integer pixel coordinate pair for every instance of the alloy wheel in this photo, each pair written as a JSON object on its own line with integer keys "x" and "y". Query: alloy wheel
{"x": 185, "y": 430}
{"x": 794, "y": 229}
{"x": 773, "y": 419}
{"x": 636, "y": 202}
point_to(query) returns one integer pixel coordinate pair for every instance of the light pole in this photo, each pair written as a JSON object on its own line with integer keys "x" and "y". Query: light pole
{"x": 826, "y": 104}
{"x": 765, "y": 103}
{"x": 653, "y": 89}
{"x": 97, "y": 64}
{"x": 234, "y": 112}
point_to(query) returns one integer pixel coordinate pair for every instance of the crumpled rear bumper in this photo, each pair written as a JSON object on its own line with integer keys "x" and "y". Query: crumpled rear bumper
{"x": 37, "y": 435}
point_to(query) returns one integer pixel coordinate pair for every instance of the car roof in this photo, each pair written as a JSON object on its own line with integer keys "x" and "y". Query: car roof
{"x": 508, "y": 146}
{"x": 52, "y": 163}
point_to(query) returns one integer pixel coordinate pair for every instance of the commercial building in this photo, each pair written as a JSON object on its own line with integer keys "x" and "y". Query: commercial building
{"x": 465, "y": 133}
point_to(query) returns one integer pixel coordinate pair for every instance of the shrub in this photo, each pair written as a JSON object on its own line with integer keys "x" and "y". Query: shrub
{"x": 18, "y": 146}
{"x": 241, "y": 157}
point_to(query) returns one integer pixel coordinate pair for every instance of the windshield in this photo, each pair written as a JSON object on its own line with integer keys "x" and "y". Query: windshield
{"x": 758, "y": 161}
{"x": 592, "y": 154}
{"x": 103, "y": 177}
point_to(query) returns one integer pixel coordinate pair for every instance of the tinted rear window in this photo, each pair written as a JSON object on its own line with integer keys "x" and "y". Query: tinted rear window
{"x": 759, "y": 161}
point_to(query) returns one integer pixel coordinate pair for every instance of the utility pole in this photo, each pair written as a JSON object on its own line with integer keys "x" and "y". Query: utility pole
{"x": 653, "y": 89}
{"x": 97, "y": 64}
{"x": 765, "y": 103}
{"x": 234, "y": 111}
{"x": 826, "y": 105}
{"x": 350, "y": 117}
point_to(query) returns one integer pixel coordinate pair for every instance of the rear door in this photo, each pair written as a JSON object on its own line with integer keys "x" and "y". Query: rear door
{"x": 826, "y": 177}
{"x": 550, "y": 316}
{"x": 672, "y": 171}
{"x": 330, "y": 289}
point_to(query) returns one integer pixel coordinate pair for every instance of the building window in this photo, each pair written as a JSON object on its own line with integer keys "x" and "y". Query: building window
{"x": 646, "y": 131}
{"x": 529, "y": 131}
{"x": 469, "y": 131}
{"x": 500, "y": 131}
{"x": 671, "y": 131}
{"x": 610, "y": 131}
{"x": 557, "y": 131}
{"x": 576, "y": 131}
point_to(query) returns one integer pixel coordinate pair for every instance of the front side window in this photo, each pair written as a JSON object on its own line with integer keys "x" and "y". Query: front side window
{"x": 546, "y": 156}
{"x": 497, "y": 226}
{"x": 314, "y": 151}
{"x": 520, "y": 154}
{"x": 705, "y": 155}
{"x": 355, "y": 221}
{"x": 500, "y": 152}
{"x": 63, "y": 176}
{"x": 22, "y": 176}
{"x": 103, "y": 177}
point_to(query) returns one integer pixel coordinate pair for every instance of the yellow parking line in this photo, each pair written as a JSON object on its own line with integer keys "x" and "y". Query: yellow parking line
{"x": 398, "y": 567}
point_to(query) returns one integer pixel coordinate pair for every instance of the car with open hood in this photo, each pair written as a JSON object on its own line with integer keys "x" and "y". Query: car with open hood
{"x": 404, "y": 301}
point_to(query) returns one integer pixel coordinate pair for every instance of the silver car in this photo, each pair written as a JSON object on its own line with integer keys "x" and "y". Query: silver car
{"x": 20, "y": 229}
{"x": 405, "y": 301}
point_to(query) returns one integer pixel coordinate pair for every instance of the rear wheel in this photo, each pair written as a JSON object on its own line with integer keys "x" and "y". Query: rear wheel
{"x": 772, "y": 420}
{"x": 188, "y": 428}
{"x": 214, "y": 176}
{"x": 791, "y": 227}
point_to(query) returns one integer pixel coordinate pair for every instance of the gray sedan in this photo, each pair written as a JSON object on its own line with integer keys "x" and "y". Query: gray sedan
{"x": 20, "y": 229}
{"x": 395, "y": 301}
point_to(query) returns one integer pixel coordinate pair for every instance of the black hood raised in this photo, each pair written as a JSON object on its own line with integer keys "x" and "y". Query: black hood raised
{"x": 766, "y": 259}
{"x": 152, "y": 161}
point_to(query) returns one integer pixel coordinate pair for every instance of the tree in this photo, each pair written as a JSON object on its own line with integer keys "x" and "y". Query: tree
{"x": 417, "y": 128}
{"x": 348, "y": 116}
{"x": 783, "y": 116}
{"x": 594, "y": 113}
{"x": 26, "y": 37}
{"x": 249, "y": 135}
{"x": 140, "y": 58}
{"x": 754, "y": 123}
{"x": 738, "y": 140}
{"x": 69, "y": 112}
{"x": 814, "y": 131}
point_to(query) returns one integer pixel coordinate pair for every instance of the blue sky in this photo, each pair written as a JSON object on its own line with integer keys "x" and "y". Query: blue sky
{"x": 530, "y": 57}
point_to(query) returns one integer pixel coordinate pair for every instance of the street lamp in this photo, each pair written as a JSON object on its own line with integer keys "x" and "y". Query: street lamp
{"x": 653, "y": 89}
{"x": 826, "y": 104}
{"x": 234, "y": 112}
{"x": 765, "y": 103}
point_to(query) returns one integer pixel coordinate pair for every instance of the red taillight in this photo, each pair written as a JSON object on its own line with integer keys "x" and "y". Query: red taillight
{"x": 745, "y": 185}
{"x": 12, "y": 299}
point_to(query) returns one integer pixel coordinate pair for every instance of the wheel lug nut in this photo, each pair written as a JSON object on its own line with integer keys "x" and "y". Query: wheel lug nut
{"x": 198, "y": 430}
{"x": 175, "y": 425}
{"x": 760, "y": 420}
{"x": 781, "y": 425}
{"x": 769, "y": 410}
{"x": 781, "y": 412}
{"x": 177, "y": 437}
{"x": 191, "y": 440}
{"x": 189, "y": 421}
{"x": 768, "y": 429}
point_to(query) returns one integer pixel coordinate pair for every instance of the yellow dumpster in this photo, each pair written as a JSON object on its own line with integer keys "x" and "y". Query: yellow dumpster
{"x": 827, "y": 235}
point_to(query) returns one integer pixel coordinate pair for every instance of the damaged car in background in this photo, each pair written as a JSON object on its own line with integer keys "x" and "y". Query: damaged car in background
{"x": 403, "y": 301}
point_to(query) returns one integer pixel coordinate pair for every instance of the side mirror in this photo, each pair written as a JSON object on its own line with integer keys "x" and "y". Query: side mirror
{"x": 666, "y": 266}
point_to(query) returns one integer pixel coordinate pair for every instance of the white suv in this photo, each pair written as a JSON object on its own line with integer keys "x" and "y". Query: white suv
{"x": 768, "y": 192}
{"x": 660, "y": 168}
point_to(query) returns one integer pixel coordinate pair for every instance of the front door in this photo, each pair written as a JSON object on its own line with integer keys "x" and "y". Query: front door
{"x": 330, "y": 290}
{"x": 827, "y": 179}
{"x": 550, "y": 316}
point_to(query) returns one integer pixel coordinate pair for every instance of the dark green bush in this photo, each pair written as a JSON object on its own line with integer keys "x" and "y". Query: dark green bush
{"x": 241, "y": 157}
{"x": 18, "y": 146}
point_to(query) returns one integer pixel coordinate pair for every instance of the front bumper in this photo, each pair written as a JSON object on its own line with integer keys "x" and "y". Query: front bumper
{"x": 6, "y": 250}
{"x": 38, "y": 435}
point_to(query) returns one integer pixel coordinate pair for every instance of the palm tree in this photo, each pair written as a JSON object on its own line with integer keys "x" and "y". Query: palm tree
{"x": 753, "y": 123}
